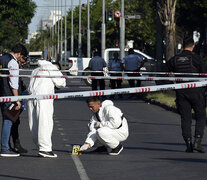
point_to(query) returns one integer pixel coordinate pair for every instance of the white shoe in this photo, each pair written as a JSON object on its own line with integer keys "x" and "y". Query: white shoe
{"x": 49, "y": 154}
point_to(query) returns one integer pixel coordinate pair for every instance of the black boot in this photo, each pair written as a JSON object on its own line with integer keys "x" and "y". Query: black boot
{"x": 188, "y": 142}
{"x": 18, "y": 148}
{"x": 197, "y": 145}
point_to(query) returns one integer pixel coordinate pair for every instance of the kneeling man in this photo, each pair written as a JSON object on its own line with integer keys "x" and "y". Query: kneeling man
{"x": 107, "y": 127}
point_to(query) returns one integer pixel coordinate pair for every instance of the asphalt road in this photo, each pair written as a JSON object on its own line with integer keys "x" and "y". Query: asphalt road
{"x": 153, "y": 151}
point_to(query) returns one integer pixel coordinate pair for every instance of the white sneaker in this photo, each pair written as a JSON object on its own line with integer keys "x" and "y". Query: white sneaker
{"x": 117, "y": 150}
{"x": 49, "y": 154}
{"x": 9, "y": 153}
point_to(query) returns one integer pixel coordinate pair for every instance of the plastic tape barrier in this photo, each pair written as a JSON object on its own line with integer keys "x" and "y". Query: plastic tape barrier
{"x": 111, "y": 77}
{"x": 129, "y": 72}
{"x": 104, "y": 92}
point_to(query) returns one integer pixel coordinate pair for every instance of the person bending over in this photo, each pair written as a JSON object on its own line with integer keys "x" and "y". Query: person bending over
{"x": 107, "y": 128}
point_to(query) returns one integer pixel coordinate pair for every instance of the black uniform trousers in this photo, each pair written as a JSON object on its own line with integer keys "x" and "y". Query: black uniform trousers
{"x": 132, "y": 81}
{"x": 116, "y": 83}
{"x": 96, "y": 81}
{"x": 15, "y": 131}
{"x": 186, "y": 100}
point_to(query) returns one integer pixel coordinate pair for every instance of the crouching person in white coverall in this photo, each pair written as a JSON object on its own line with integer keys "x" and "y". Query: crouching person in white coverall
{"x": 41, "y": 111}
{"x": 107, "y": 127}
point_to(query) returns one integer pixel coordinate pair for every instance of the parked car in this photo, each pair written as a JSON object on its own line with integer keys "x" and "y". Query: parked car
{"x": 150, "y": 65}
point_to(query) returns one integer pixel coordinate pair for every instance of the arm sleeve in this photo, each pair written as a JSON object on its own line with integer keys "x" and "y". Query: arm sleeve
{"x": 13, "y": 81}
{"x": 58, "y": 82}
{"x": 89, "y": 65}
{"x": 91, "y": 137}
{"x": 104, "y": 63}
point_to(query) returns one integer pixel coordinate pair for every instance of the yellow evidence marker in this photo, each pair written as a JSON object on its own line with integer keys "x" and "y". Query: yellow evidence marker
{"x": 76, "y": 149}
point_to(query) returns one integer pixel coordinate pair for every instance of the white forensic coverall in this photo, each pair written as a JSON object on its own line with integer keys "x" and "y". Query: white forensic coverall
{"x": 40, "y": 112}
{"x": 113, "y": 127}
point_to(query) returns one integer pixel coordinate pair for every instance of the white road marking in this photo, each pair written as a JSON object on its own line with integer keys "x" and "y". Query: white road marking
{"x": 79, "y": 166}
{"x": 81, "y": 171}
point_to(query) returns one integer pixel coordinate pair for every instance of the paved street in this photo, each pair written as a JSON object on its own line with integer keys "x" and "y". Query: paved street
{"x": 153, "y": 151}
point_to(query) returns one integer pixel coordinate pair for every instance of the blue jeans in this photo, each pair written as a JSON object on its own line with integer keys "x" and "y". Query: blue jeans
{"x": 6, "y": 128}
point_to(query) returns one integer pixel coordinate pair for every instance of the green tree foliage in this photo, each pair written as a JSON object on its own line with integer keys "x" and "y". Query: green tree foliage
{"x": 192, "y": 16}
{"x": 142, "y": 31}
{"x": 15, "y": 16}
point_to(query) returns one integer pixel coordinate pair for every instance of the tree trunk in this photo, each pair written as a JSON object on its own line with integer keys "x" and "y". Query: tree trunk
{"x": 167, "y": 16}
{"x": 170, "y": 41}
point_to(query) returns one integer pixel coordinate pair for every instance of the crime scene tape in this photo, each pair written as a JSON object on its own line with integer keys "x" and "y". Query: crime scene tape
{"x": 111, "y": 77}
{"x": 128, "y": 72}
{"x": 104, "y": 92}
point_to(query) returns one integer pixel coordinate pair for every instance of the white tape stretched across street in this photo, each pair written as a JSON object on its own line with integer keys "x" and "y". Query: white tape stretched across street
{"x": 111, "y": 77}
{"x": 129, "y": 72}
{"x": 104, "y": 92}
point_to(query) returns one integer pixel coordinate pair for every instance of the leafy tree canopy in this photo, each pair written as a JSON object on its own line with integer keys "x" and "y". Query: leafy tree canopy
{"x": 15, "y": 16}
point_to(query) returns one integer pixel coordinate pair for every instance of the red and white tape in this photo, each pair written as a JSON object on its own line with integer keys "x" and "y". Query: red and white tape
{"x": 128, "y": 72}
{"x": 104, "y": 92}
{"x": 111, "y": 77}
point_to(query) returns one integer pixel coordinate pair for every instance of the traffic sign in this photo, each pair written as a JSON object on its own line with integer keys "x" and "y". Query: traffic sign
{"x": 136, "y": 16}
{"x": 117, "y": 14}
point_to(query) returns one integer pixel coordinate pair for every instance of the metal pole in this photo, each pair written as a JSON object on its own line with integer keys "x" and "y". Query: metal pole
{"x": 79, "y": 31}
{"x": 65, "y": 34}
{"x": 61, "y": 37}
{"x": 103, "y": 30}
{"x": 52, "y": 29}
{"x": 72, "y": 37}
{"x": 55, "y": 33}
{"x": 122, "y": 31}
{"x": 58, "y": 48}
{"x": 50, "y": 42}
{"x": 88, "y": 32}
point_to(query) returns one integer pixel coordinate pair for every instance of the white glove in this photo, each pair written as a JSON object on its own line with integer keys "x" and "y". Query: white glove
{"x": 105, "y": 71}
{"x": 85, "y": 147}
{"x": 97, "y": 124}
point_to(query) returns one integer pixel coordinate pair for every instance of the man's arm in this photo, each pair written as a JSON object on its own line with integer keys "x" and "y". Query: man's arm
{"x": 14, "y": 81}
{"x": 15, "y": 93}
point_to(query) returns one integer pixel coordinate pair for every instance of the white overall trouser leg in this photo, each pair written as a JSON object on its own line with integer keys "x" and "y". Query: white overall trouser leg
{"x": 111, "y": 137}
{"x": 41, "y": 123}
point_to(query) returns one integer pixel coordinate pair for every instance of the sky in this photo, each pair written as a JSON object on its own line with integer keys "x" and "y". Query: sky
{"x": 43, "y": 11}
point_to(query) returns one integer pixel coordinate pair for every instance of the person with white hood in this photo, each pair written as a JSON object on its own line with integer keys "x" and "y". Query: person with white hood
{"x": 41, "y": 111}
{"x": 108, "y": 127}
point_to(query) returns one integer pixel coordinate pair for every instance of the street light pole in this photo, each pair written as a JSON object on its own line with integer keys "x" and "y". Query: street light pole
{"x": 61, "y": 36}
{"x": 122, "y": 31}
{"x": 79, "y": 31}
{"x": 72, "y": 37}
{"x": 65, "y": 34}
{"x": 88, "y": 32}
{"x": 55, "y": 31}
{"x": 103, "y": 30}
{"x": 58, "y": 47}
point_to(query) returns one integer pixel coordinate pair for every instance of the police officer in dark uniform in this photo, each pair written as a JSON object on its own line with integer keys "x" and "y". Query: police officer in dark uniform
{"x": 188, "y": 99}
{"x": 97, "y": 63}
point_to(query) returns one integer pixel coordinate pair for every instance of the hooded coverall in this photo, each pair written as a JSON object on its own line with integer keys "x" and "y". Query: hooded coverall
{"x": 40, "y": 112}
{"x": 113, "y": 126}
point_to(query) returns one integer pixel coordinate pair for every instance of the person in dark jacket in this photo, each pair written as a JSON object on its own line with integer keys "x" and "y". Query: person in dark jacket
{"x": 115, "y": 65}
{"x": 9, "y": 87}
{"x": 97, "y": 63}
{"x": 188, "y": 99}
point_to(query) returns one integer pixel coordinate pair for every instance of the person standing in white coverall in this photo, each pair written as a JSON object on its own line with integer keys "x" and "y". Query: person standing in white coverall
{"x": 41, "y": 111}
{"x": 107, "y": 126}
